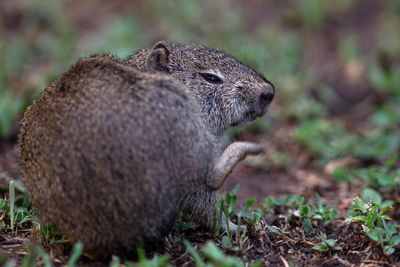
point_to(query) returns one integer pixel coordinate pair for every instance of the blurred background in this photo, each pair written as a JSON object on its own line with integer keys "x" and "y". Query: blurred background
{"x": 335, "y": 66}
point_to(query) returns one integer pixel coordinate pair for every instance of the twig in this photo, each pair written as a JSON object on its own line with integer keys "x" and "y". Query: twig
{"x": 285, "y": 263}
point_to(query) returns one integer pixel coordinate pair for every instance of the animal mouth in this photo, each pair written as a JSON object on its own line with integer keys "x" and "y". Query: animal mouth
{"x": 253, "y": 115}
{"x": 249, "y": 116}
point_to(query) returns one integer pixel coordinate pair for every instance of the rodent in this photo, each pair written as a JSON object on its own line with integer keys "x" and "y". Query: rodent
{"x": 113, "y": 149}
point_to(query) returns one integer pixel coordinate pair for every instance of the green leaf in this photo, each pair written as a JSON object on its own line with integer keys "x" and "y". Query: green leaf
{"x": 395, "y": 240}
{"x": 234, "y": 190}
{"x": 336, "y": 248}
{"x": 321, "y": 248}
{"x": 303, "y": 211}
{"x": 270, "y": 201}
{"x": 370, "y": 194}
{"x": 307, "y": 226}
{"x": 250, "y": 202}
{"x": 341, "y": 175}
{"x": 256, "y": 263}
{"x": 360, "y": 204}
{"x": 360, "y": 218}
{"x": 226, "y": 241}
{"x": 389, "y": 230}
{"x": 319, "y": 202}
{"x": 300, "y": 201}
{"x": 330, "y": 242}
{"x": 245, "y": 214}
{"x": 388, "y": 250}
{"x": 257, "y": 217}
{"x": 274, "y": 229}
{"x": 372, "y": 215}
{"x": 375, "y": 235}
{"x": 385, "y": 209}
{"x": 391, "y": 161}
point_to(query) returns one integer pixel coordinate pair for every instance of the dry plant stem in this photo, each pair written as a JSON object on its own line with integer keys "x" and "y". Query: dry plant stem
{"x": 231, "y": 156}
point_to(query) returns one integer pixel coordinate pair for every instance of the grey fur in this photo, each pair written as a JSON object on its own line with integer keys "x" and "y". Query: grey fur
{"x": 113, "y": 149}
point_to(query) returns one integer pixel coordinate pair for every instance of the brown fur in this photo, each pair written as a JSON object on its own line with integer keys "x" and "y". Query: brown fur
{"x": 112, "y": 149}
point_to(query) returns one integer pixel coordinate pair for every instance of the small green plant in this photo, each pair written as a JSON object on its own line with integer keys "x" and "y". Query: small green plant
{"x": 271, "y": 203}
{"x": 386, "y": 118}
{"x": 48, "y": 233}
{"x": 309, "y": 212}
{"x": 15, "y": 209}
{"x": 238, "y": 242}
{"x": 35, "y": 251}
{"x": 368, "y": 213}
{"x": 156, "y": 261}
{"x": 298, "y": 209}
{"x": 375, "y": 196}
{"x": 386, "y": 237}
{"x": 386, "y": 80}
{"x": 276, "y": 230}
{"x": 226, "y": 207}
{"x": 327, "y": 244}
{"x": 230, "y": 201}
{"x": 174, "y": 237}
{"x": 302, "y": 212}
{"x": 328, "y": 140}
{"x": 376, "y": 144}
{"x": 252, "y": 215}
{"x": 375, "y": 225}
{"x": 325, "y": 214}
{"x": 215, "y": 257}
{"x": 379, "y": 180}
{"x": 381, "y": 177}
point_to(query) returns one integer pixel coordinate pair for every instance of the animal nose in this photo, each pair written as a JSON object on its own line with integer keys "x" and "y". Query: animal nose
{"x": 266, "y": 99}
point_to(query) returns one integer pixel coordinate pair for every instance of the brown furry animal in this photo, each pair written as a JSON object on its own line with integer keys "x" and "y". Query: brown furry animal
{"x": 113, "y": 149}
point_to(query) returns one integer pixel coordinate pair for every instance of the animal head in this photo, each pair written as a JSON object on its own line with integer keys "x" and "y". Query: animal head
{"x": 229, "y": 93}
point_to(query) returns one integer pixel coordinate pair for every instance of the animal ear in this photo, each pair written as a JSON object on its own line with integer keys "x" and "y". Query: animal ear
{"x": 158, "y": 58}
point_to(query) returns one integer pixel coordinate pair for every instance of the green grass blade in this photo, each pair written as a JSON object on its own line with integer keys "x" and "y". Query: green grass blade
{"x": 196, "y": 257}
{"x": 12, "y": 203}
{"x": 76, "y": 253}
{"x": 45, "y": 257}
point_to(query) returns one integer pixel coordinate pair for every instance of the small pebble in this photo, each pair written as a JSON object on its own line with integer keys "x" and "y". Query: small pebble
{"x": 260, "y": 251}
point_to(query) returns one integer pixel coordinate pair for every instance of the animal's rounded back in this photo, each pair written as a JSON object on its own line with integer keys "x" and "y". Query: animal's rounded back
{"x": 108, "y": 152}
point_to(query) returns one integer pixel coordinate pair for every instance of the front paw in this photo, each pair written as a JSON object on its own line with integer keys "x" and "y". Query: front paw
{"x": 233, "y": 228}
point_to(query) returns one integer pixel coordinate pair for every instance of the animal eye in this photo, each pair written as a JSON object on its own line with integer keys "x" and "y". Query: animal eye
{"x": 211, "y": 78}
